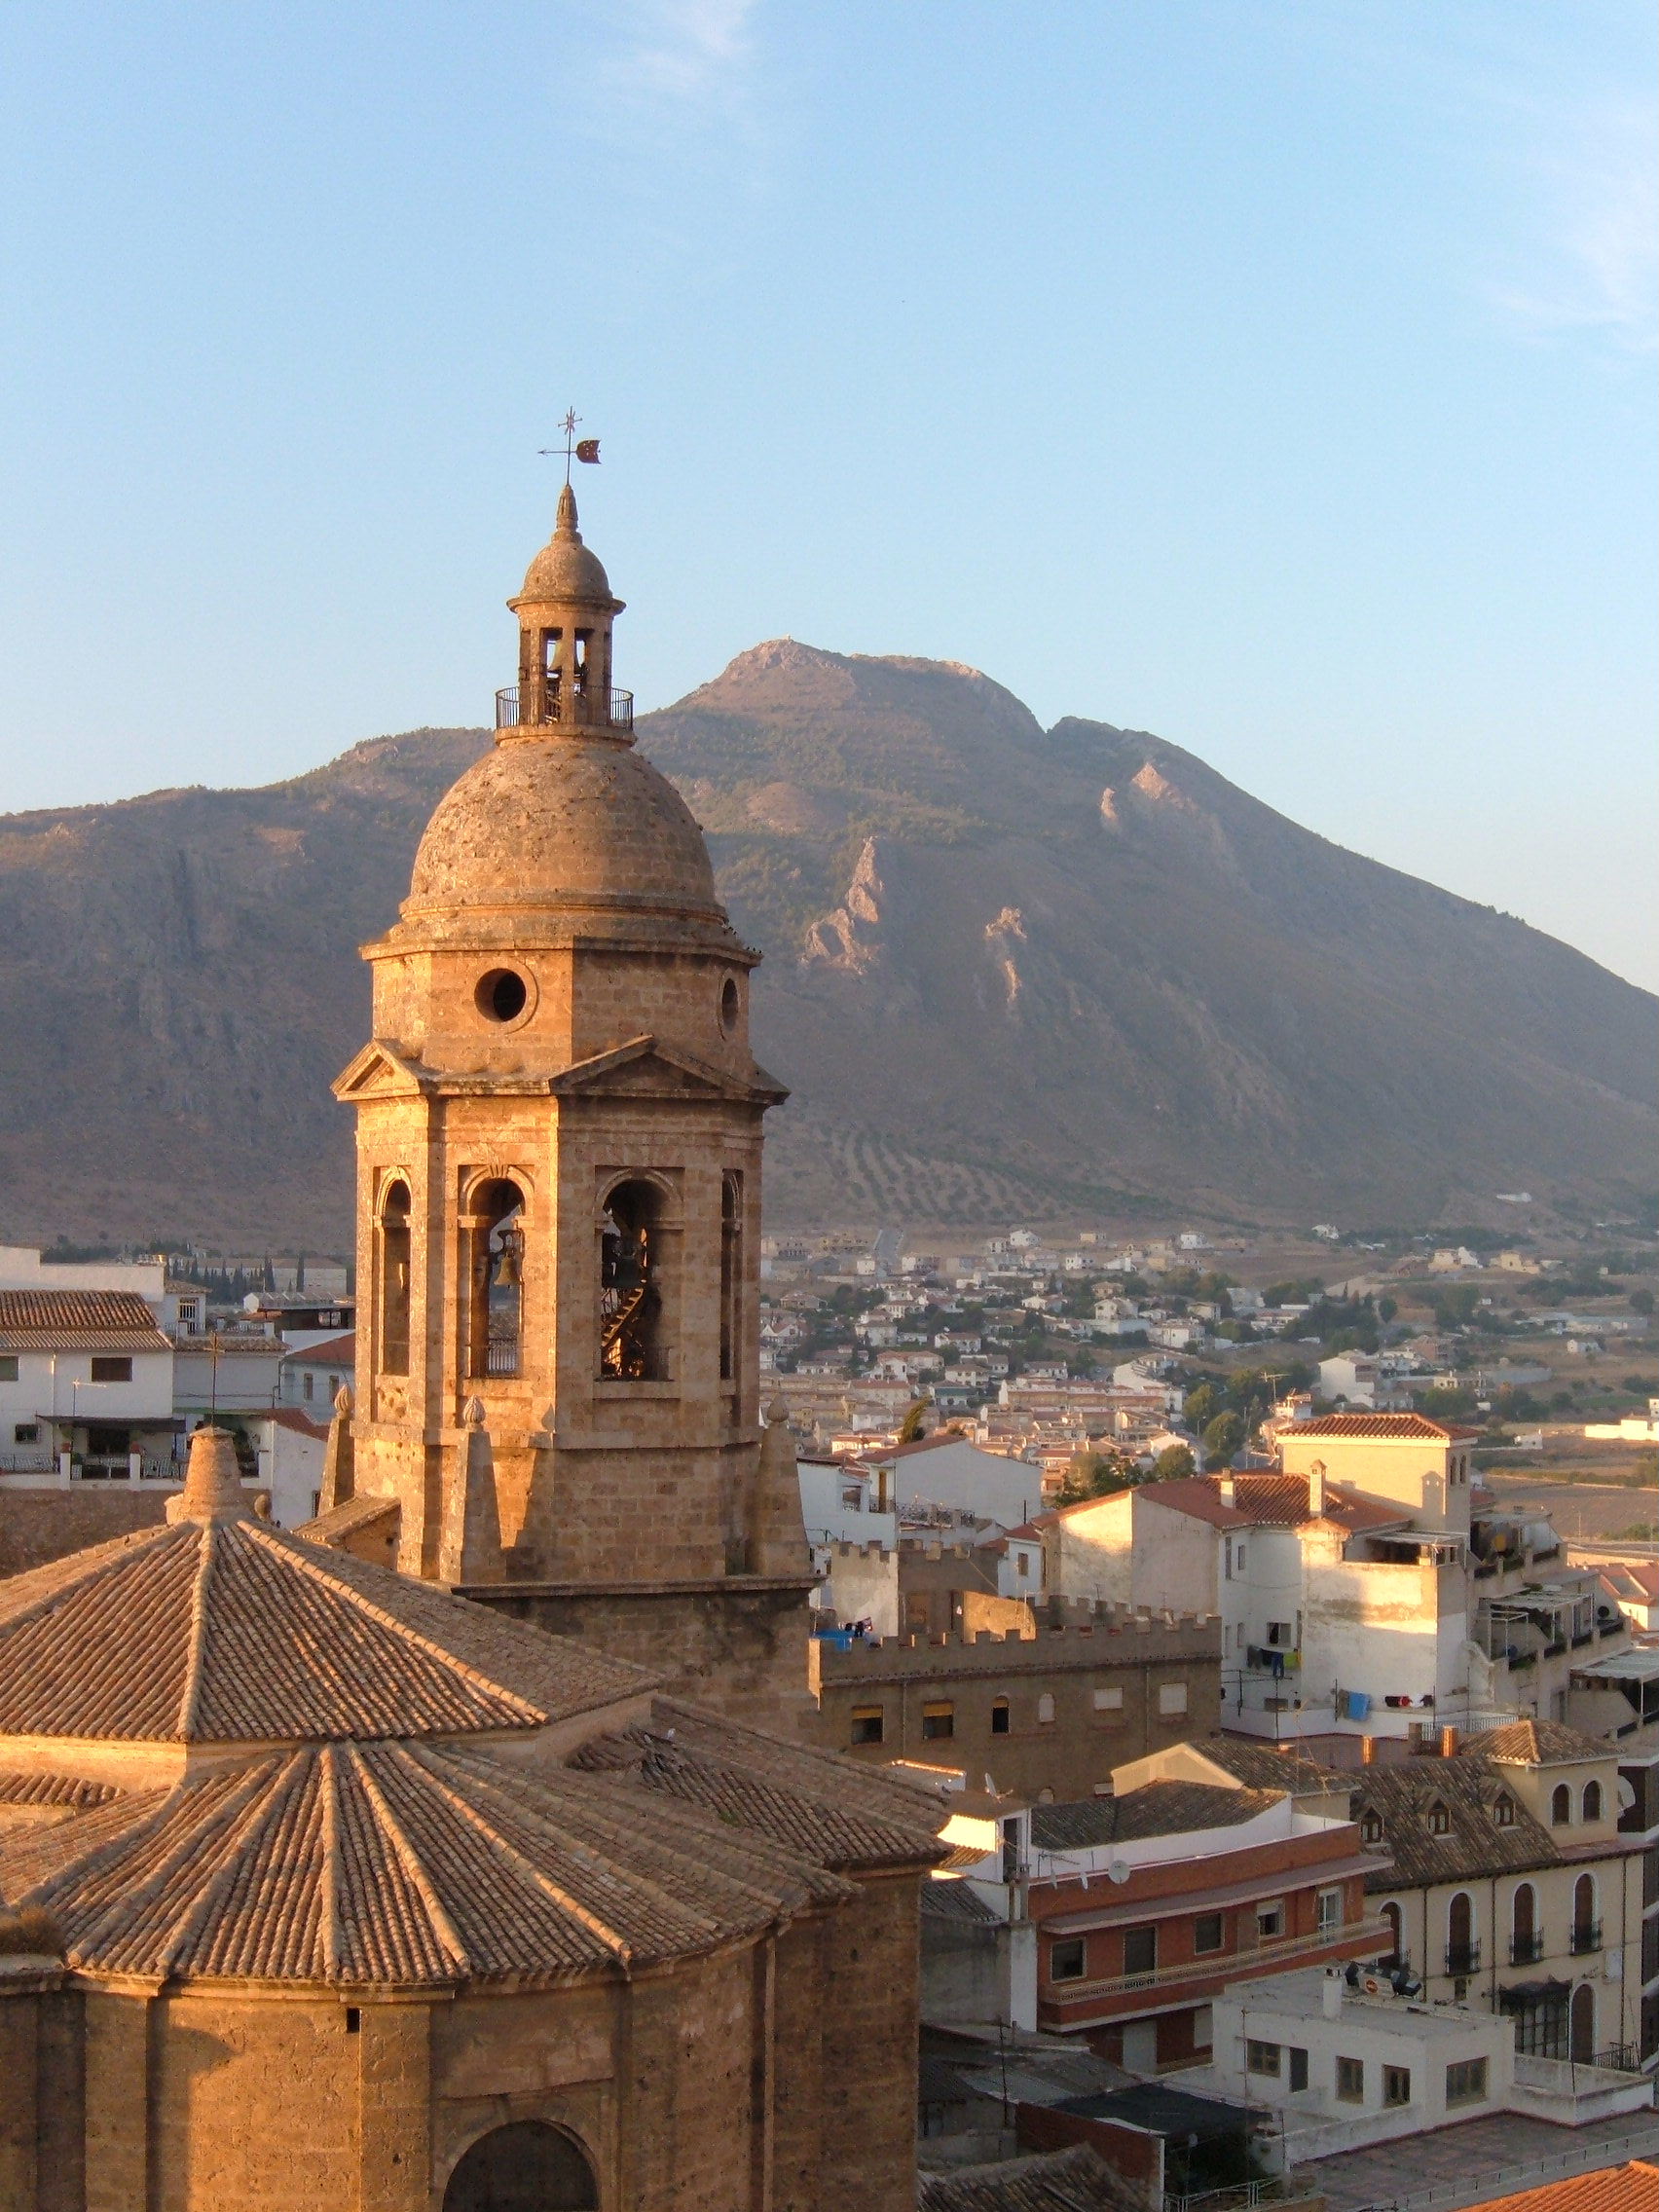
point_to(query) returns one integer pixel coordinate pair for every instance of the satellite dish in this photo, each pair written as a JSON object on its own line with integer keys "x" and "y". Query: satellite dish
{"x": 1119, "y": 1870}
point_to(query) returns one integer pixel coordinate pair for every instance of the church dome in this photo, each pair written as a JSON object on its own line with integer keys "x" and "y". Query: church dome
{"x": 565, "y": 567}
{"x": 564, "y": 821}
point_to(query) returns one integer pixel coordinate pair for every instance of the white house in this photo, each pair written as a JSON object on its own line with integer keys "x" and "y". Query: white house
{"x": 86, "y": 1388}
{"x": 843, "y": 1503}
{"x": 313, "y": 1375}
{"x": 1345, "y": 2062}
{"x": 949, "y": 1470}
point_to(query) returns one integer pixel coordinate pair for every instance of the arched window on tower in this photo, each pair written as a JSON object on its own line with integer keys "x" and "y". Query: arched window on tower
{"x": 394, "y": 1278}
{"x": 629, "y": 1288}
{"x": 495, "y": 1257}
{"x": 731, "y": 1275}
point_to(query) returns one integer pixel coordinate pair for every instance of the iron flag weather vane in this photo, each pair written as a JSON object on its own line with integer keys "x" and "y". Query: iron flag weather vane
{"x": 574, "y": 448}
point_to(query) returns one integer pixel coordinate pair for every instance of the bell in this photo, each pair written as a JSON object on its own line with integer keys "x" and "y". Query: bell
{"x": 508, "y": 1274}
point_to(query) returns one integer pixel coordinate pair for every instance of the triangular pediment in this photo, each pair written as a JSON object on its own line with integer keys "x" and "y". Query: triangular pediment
{"x": 377, "y": 1071}
{"x": 646, "y": 1068}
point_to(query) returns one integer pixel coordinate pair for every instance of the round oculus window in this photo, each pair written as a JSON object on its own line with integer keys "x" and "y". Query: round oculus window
{"x": 501, "y": 995}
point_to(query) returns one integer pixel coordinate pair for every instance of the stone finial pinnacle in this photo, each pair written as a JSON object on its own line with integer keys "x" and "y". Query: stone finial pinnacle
{"x": 565, "y": 519}
{"x": 212, "y": 1482}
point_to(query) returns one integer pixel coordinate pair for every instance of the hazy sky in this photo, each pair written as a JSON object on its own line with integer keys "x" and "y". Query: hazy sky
{"x": 1275, "y": 375}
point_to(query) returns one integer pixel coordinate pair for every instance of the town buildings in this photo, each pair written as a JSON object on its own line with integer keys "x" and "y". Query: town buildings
{"x": 1127, "y": 1914}
{"x": 1043, "y": 1709}
{"x": 1509, "y": 1881}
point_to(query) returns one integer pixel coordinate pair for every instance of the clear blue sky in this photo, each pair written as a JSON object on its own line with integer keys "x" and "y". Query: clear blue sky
{"x": 1275, "y": 375}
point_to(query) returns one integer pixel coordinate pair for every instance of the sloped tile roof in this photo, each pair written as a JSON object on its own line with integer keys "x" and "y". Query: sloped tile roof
{"x": 1409, "y": 1427}
{"x": 1268, "y": 1766}
{"x": 77, "y": 1320}
{"x": 1633, "y": 2187}
{"x": 397, "y": 1866}
{"x": 1404, "y": 1795}
{"x": 231, "y": 1631}
{"x": 24, "y": 1788}
{"x": 1074, "y": 2180}
{"x": 1156, "y": 1808}
{"x": 333, "y": 1351}
{"x": 1537, "y": 1743}
{"x": 841, "y": 1812}
{"x": 1193, "y": 1494}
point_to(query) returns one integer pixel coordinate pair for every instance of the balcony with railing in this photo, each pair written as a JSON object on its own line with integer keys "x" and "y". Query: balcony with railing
{"x": 1586, "y": 1937}
{"x": 1525, "y": 1950}
{"x": 1463, "y": 1957}
{"x": 541, "y": 705}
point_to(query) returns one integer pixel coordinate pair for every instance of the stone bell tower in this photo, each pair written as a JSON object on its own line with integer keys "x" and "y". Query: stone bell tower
{"x": 559, "y": 1135}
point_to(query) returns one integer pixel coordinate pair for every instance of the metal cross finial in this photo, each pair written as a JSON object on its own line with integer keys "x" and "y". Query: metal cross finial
{"x": 574, "y": 448}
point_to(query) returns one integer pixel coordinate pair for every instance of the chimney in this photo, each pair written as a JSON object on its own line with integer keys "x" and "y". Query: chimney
{"x": 1330, "y": 1993}
{"x": 1449, "y": 1740}
{"x": 1316, "y": 1488}
{"x": 1226, "y": 1490}
{"x": 1368, "y": 1750}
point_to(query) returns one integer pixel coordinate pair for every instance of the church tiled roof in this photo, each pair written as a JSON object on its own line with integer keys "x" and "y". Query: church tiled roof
{"x": 842, "y": 1812}
{"x": 397, "y": 1866}
{"x": 226, "y": 1630}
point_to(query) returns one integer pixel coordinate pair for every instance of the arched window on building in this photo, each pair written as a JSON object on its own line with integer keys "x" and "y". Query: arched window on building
{"x": 526, "y": 2166}
{"x": 1396, "y": 1935}
{"x": 1586, "y": 1927}
{"x": 630, "y": 1286}
{"x": 731, "y": 1275}
{"x": 1462, "y": 1952}
{"x": 1524, "y": 1941}
{"x": 1591, "y": 1809}
{"x": 495, "y": 1236}
{"x": 394, "y": 1262}
{"x": 1561, "y": 1805}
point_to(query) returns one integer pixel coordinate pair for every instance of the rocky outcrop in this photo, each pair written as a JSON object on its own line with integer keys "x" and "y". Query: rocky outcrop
{"x": 1008, "y": 971}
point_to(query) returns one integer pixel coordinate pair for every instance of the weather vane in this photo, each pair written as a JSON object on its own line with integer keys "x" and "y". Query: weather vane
{"x": 574, "y": 448}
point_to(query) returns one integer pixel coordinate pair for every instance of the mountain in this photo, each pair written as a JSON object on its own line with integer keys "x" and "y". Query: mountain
{"x": 1010, "y": 971}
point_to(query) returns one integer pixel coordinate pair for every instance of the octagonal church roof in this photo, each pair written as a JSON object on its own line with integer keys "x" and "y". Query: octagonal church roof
{"x": 230, "y": 1755}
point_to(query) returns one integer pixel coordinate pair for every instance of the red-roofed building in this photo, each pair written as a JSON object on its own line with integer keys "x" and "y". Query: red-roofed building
{"x": 1363, "y": 1591}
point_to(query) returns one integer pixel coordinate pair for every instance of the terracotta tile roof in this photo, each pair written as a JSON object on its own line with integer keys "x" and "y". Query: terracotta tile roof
{"x": 1404, "y": 1796}
{"x": 348, "y": 1516}
{"x": 1282, "y": 1501}
{"x": 1268, "y": 1766}
{"x": 1537, "y": 1743}
{"x": 333, "y": 1351}
{"x": 1632, "y": 1578}
{"x": 398, "y": 1866}
{"x": 55, "y": 1790}
{"x": 298, "y": 1424}
{"x": 77, "y": 1320}
{"x": 1156, "y": 1808}
{"x": 1409, "y": 1427}
{"x": 1193, "y": 1494}
{"x": 1074, "y": 2180}
{"x": 1633, "y": 2187}
{"x": 231, "y": 1631}
{"x": 841, "y": 1812}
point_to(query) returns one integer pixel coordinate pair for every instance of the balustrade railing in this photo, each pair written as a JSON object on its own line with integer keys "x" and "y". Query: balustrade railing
{"x": 521, "y": 706}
